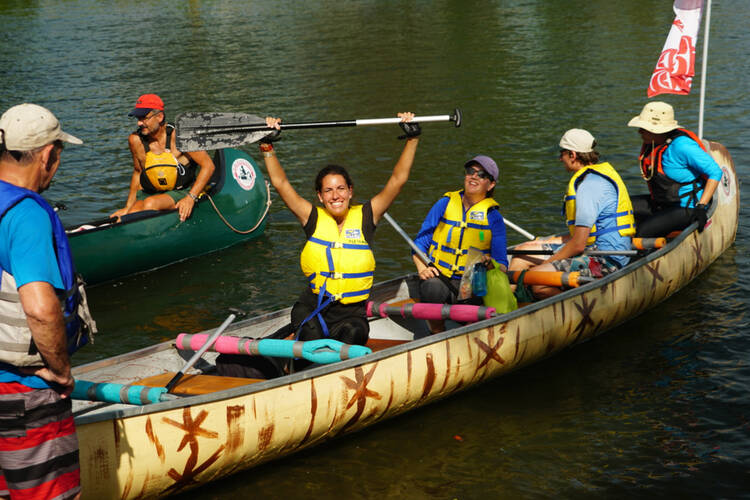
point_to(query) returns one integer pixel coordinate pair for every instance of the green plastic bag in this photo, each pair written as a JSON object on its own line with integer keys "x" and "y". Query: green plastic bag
{"x": 499, "y": 294}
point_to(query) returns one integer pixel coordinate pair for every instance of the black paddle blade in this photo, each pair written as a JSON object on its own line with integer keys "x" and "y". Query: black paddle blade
{"x": 207, "y": 131}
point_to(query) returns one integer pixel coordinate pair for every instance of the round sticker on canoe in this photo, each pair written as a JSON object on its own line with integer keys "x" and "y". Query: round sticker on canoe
{"x": 244, "y": 173}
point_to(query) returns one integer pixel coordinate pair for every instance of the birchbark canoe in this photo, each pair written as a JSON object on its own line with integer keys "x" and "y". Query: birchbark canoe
{"x": 165, "y": 448}
{"x": 104, "y": 250}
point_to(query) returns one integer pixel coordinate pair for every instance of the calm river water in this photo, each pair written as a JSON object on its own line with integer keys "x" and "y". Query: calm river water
{"x": 656, "y": 407}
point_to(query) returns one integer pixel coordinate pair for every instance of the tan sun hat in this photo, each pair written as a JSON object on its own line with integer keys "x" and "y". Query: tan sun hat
{"x": 28, "y": 126}
{"x": 657, "y": 117}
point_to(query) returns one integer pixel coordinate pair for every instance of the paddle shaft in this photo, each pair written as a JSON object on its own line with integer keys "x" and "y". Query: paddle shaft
{"x": 214, "y": 129}
{"x": 416, "y": 249}
{"x": 518, "y": 229}
{"x": 513, "y": 251}
{"x": 170, "y": 385}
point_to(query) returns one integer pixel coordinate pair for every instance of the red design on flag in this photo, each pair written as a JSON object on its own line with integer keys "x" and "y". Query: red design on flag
{"x": 676, "y": 65}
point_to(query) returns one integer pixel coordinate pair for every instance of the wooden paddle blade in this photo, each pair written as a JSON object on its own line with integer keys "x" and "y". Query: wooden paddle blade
{"x": 207, "y": 131}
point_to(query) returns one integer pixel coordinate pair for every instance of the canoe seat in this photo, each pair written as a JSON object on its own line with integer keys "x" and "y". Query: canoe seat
{"x": 194, "y": 384}
{"x": 380, "y": 344}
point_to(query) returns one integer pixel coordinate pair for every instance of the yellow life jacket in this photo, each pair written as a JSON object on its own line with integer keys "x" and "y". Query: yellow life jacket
{"x": 458, "y": 231}
{"x": 625, "y": 220}
{"x": 163, "y": 172}
{"x": 160, "y": 171}
{"x": 340, "y": 265}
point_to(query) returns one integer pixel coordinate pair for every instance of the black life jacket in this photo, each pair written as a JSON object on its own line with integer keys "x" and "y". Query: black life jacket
{"x": 164, "y": 172}
{"x": 664, "y": 190}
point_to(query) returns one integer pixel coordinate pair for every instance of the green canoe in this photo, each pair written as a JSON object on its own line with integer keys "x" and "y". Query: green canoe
{"x": 104, "y": 250}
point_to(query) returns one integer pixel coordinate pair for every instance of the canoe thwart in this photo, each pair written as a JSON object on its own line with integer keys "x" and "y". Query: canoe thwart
{"x": 464, "y": 313}
{"x": 558, "y": 279}
{"x": 119, "y": 393}
{"x": 322, "y": 351}
{"x": 648, "y": 243}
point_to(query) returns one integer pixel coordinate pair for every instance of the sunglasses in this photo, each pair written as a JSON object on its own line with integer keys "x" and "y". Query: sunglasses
{"x": 481, "y": 173}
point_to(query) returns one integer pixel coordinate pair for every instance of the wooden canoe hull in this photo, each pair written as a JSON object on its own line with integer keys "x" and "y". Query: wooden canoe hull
{"x": 156, "y": 240}
{"x": 170, "y": 447}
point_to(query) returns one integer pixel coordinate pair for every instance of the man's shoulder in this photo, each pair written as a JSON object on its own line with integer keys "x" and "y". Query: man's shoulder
{"x": 27, "y": 207}
{"x": 26, "y": 216}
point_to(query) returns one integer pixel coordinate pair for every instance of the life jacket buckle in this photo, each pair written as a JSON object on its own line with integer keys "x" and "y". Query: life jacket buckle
{"x": 337, "y": 276}
{"x": 337, "y": 244}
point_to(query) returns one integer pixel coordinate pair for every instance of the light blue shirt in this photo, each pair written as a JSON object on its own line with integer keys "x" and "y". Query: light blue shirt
{"x": 596, "y": 203}
{"x": 684, "y": 161}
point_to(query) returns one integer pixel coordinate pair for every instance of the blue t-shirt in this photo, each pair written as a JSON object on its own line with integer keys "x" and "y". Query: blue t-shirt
{"x": 596, "y": 203}
{"x": 27, "y": 252}
{"x": 683, "y": 161}
{"x": 498, "y": 245}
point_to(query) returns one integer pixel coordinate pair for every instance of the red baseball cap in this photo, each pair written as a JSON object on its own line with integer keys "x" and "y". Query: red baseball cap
{"x": 145, "y": 104}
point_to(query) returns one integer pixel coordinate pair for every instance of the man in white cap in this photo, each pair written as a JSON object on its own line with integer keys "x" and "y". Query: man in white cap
{"x": 682, "y": 177}
{"x": 598, "y": 213}
{"x": 456, "y": 222}
{"x": 43, "y": 313}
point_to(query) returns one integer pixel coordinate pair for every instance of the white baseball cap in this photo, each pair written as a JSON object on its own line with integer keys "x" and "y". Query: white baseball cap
{"x": 578, "y": 140}
{"x": 28, "y": 126}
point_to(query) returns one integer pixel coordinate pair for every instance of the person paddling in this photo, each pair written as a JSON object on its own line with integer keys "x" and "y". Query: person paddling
{"x": 337, "y": 259}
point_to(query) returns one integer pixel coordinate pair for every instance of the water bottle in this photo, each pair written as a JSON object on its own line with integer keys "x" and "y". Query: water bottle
{"x": 479, "y": 280}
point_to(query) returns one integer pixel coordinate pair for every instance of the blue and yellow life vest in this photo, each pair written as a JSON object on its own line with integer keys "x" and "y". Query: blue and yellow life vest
{"x": 339, "y": 265}
{"x": 625, "y": 220}
{"x": 458, "y": 231}
{"x": 16, "y": 344}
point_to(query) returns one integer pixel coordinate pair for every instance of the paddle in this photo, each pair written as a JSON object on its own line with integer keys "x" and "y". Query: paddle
{"x": 513, "y": 251}
{"x": 518, "y": 229}
{"x": 416, "y": 249}
{"x": 170, "y": 385}
{"x": 200, "y": 131}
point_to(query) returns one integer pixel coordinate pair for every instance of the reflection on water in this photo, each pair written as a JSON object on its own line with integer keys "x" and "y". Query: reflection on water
{"x": 657, "y": 406}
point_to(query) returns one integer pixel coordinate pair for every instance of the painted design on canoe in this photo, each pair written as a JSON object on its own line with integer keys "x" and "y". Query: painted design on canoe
{"x": 490, "y": 349}
{"x": 193, "y": 429}
{"x": 585, "y": 309}
{"x": 361, "y": 392}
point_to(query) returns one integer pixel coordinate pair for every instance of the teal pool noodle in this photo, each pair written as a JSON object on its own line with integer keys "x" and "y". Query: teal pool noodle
{"x": 321, "y": 351}
{"x": 117, "y": 393}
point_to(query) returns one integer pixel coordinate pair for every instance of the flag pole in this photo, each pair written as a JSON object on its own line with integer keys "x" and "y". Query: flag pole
{"x": 704, "y": 63}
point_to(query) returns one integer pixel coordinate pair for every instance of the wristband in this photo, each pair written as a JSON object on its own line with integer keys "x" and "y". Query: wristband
{"x": 195, "y": 198}
{"x": 269, "y": 154}
{"x": 266, "y": 147}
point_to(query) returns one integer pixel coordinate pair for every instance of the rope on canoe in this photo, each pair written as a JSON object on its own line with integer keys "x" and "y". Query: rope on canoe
{"x": 262, "y": 217}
